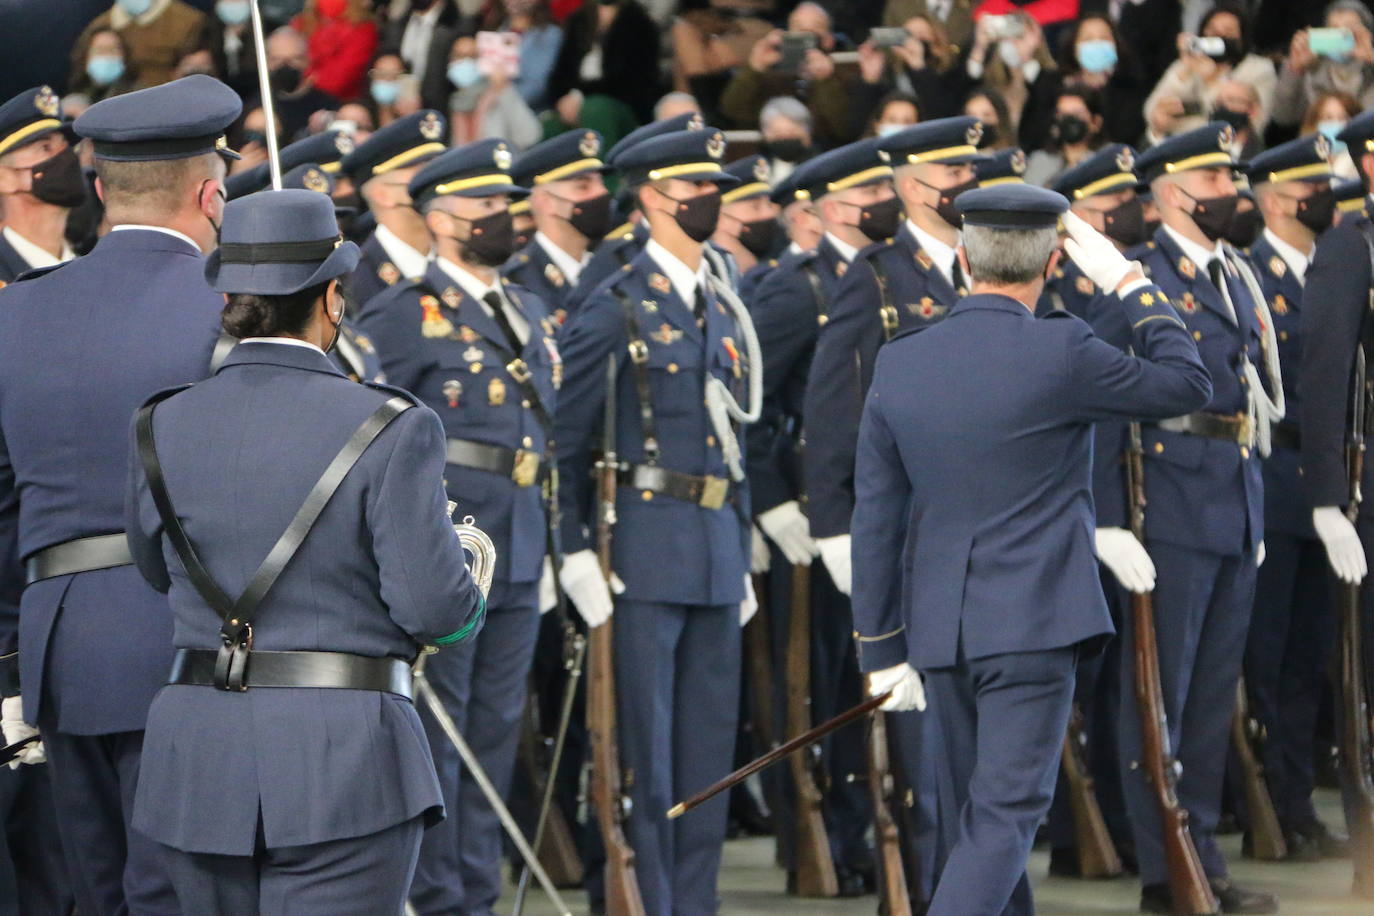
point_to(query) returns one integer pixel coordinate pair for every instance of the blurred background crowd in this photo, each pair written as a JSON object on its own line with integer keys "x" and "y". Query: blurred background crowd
{"x": 1059, "y": 78}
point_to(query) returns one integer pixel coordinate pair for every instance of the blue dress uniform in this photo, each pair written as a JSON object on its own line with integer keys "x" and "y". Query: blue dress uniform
{"x": 29, "y": 116}
{"x": 1203, "y": 523}
{"x": 66, "y": 398}
{"x": 438, "y": 341}
{"x": 325, "y": 151}
{"x": 677, "y": 642}
{"x": 992, "y": 590}
{"x": 301, "y": 781}
{"x": 1351, "y": 198}
{"x": 565, "y": 156}
{"x": 789, "y": 308}
{"x": 1294, "y": 625}
{"x": 893, "y": 286}
{"x": 404, "y": 143}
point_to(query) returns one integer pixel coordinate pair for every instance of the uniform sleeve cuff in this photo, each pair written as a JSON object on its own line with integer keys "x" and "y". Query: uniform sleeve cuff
{"x": 468, "y": 628}
{"x": 879, "y": 652}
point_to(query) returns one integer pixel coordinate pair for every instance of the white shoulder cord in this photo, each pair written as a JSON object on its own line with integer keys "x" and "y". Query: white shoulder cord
{"x": 1262, "y": 410}
{"x": 721, "y": 405}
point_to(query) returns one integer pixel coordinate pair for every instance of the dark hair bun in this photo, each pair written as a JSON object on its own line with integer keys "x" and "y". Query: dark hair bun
{"x": 251, "y": 315}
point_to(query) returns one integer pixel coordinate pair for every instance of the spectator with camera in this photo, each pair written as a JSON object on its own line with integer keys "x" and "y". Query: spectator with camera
{"x": 1009, "y": 55}
{"x": 1186, "y": 95}
{"x": 1336, "y": 58}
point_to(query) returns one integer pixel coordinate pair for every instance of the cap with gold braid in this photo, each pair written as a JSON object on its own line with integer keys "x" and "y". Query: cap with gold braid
{"x": 31, "y": 115}
{"x": 1207, "y": 147}
{"x": 176, "y": 120}
{"x": 691, "y": 155}
{"x": 1303, "y": 159}
{"x": 565, "y": 156}
{"x": 752, "y": 174}
{"x": 480, "y": 169}
{"x": 850, "y": 166}
{"x": 403, "y": 143}
{"x": 947, "y": 140}
{"x": 1106, "y": 171}
{"x": 1351, "y": 196}
{"x": 1002, "y": 167}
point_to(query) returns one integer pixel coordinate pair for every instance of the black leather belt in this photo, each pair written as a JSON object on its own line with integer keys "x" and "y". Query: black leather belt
{"x": 520, "y": 465}
{"x": 1226, "y": 427}
{"x": 707, "y": 492}
{"x": 332, "y": 670}
{"x": 80, "y": 555}
{"x": 1285, "y": 434}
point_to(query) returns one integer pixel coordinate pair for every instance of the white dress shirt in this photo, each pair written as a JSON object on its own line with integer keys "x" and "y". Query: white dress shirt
{"x": 408, "y": 261}
{"x": 477, "y": 289}
{"x": 685, "y": 281}
{"x": 940, "y": 253}
{"x": 1202, "y": 257}
{"x": 561, "y": 259}
{"x": 163, "y": 229}
{"x": 34, "y": 255}
{"x": 846, "y": 250}
{"x": 1295, "y": 259}
{"x": 289, "y": 341}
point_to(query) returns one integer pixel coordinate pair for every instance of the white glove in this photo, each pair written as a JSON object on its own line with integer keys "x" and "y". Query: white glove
{"x": 1095, "y": 254}
{"x": 1343, "y": 547}
{"x": 834, "y": 553}
{"x": 548, "y": 595}
{"x": 908, "y": 692}
{"x": 1260, "y": 555}
{"x": 750, "y": 605}
{"x": 587, "y": 588}
{"x": 16, "y": 729}
{"x": 790, "y": 530}
{"x": 759, "y": 557}
{"x": 1120, "y": 552}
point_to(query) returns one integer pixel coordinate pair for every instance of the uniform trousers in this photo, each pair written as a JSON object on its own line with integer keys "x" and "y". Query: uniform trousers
{"x": 33, "y": 872}
{"x": 358, "y": 876}
{"x": 1286, "y": 658}
{"x": 1202, "y": 605}
{"x": 482, "y": 684}
{"x": 677, "y": 670}
{"x": 1002, "y": 722}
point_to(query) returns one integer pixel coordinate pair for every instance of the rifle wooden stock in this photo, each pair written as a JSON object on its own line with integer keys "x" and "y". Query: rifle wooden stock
{"x": 758, "y": 651}
{"x": 815, "y": 866}
{"x": 1357, "y": 732}
{"x": 1097, "y": 856}
{"x": 893, "y": 895}
{"x": 1188, "y": 885}
{"x": 553, "y": 840}
{"x": 1266, "y": 836}
{"x": 608, "y": 796}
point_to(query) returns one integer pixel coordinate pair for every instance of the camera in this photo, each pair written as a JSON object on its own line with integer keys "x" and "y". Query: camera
{"x": 1211, "y": 46}
{"x": 1002, "y": 28}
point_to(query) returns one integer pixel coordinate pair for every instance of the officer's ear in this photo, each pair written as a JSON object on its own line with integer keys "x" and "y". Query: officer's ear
{"x": 1367, "y": 167}
{"x": 1056, "y": 257}
{"x": 333, "y": 302}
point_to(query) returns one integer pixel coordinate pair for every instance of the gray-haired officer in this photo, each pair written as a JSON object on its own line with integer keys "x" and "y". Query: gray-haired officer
{"x": 681, "y": 345}
{"x": 908, "y": 281}
{"x": 381, "y": 168}
{"x": 480, "y": 352}
{"x": 991, "y": 591}
{"x": 83, "y": 345}
{"x": 284, "y": 767}
{"x": 40, "y": 182}
{"x": 571, "y": 209}
{"x": 1204, "y": 525}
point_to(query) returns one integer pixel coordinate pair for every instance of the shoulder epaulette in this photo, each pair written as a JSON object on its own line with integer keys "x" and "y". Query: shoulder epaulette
{"x": 33, "y": 273}
{"x": 166, "y": 393}
{"x": 394, "y": 390}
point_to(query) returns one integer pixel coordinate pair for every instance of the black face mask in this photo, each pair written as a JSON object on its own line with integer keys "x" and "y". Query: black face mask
{"x": 1238, "y": 120}
{"x": 1069, "y": 130}
{"x": 1245, "y": 228}
{"x": 1151, "y": 227}
{"x": 255, "y": 136}
{"x": 591, "y": 217}
{"x": 989, "y": 136}
{"x": 491, "y": 240}
{"x": 759, "y": 236}
{"x": 789, "y": 150}
{"x": 286, "y": 79}
{"x": 1214, "y": 215}
{"x": 59, "y": 181}
{"x": 1233, "y": 53}
{"x": 697, "y": 216}
{"x": 1125, "y": 223}
{"x": 945, "y": 208}
{"x": 1317, "y": 212}
{"x": 880, "y": 220}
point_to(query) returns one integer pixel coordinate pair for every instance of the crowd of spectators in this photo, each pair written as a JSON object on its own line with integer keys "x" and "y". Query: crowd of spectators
{"x": 1059, "y": 78}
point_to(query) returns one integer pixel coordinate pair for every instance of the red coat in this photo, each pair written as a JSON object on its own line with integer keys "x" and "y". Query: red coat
{"x": 339, "y": 54}
{"x": 1045, "y": 12}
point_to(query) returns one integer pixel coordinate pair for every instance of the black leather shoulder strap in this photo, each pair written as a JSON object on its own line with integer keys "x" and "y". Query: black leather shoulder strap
{"x": 639, "y": 359}
{"x": 887, "y": 312}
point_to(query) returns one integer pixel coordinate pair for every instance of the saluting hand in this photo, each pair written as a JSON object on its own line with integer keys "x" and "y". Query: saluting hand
{"x": 1096, "y": 256}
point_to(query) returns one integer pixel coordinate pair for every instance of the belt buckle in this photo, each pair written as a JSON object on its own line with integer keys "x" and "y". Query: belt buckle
{"x": 639, "y": 352}
{"x": 518, "y": 370}
{"x": 526, "y": 468}
{"x": 1244, "y": 429}
{"x": 713, "y": 491}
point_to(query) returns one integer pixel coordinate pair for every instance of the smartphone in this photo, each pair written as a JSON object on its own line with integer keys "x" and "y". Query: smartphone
{"x": 888, "y": 37}
{"x": 794, "y": 48}
{"x": 498, "y": 52}
{"x": 1211, "y": 46}
{"x": 1192, "y": 109}
{"x": 1007, "y": 27}
{"x": 1333, "y": 43}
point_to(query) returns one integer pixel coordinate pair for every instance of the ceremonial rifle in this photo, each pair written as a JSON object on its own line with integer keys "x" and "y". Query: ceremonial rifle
{"x": 265, "y": 94}
{"x": 1356, "y": 740}
{"x": 609, "y": 800}
{"x": 758, "y": 653}
{"x": 1188, "y": 887}
{"x": 10, "y": 751}
{"x": 553, "y": 839}
{"x": 1097, "y": 856}
{"x": 1247, "y": 736}
{"x": 893, "y": 895}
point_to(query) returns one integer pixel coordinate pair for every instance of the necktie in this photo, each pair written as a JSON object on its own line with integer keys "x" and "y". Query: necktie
{"x": 1218, "y": 275}
{"x": 956, "y": 274}
{"x": 699, "y": 307}
{"x": 498, "y": 311}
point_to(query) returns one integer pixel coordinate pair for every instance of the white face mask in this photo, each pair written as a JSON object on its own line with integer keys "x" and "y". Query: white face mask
{"x": 887, "y": 129}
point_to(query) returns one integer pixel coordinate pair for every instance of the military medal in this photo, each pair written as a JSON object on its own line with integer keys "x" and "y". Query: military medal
{"x": 1280, "y": 304}
{"x": 926, "y": 308}
{"x": 650, "y": 306}
{"x": 548, "y": 325}
{"x": 432, "y": 323}
{"x": 729, "y": 344}
{"x": 496, "y": 392}
{"x": 453, "y": 389}
{"x": 555, "y": 360}
{"x": 452, "y": 298}
{"x": 841, "y": 268}
{"x": 924, "y": 260}
{"x": 659, "y": 283}
{"x": 1276, "y": 266}
{"x": 467, "y": 334}
{"x": 1189, "y": 303}
{"x": 1187, "y": 268}
{"x": 472, "y": 355}
{"x": 553, "y": 274}
{"x": 665, "y": 334}
{"x": 388, "y": 273}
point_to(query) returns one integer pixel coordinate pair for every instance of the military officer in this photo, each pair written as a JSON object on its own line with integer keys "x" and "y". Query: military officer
{"x": 1005, "y": 166}
{"x": 522, "y": 221}
{"x": 799, "y": 219}
{"x": 990, "y": 592}
{"x": 159, "y": 154}
{"x": 1204, "y": 522}
{"x": 325, "y": 151}
{"x": 748, "y": 226}
{"x": 381, "y": 167}
{"x": 1351, "y": 197}
{"x": 845, "y": 188}
{"x": 572, "y": 210}
{"x": 1334, "y": 328}
{"x": 480, "y": 352}
{"x": 40, "y": 182}
{"x": 1294, "y": 626}
{"x": 908, "y": 281}
{"x": 674, "y": 331}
